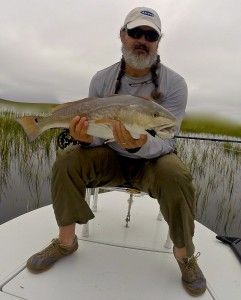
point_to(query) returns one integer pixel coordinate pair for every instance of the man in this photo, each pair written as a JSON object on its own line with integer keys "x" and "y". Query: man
{"x": 148, "y": 163}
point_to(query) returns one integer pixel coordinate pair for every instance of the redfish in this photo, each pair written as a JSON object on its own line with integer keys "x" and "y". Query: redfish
{"x": 139, "y": 116}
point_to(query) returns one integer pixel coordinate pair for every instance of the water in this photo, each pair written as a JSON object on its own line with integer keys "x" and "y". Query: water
{"x": 25, "y": 169}
{"x": 216, "y": 173}
{"x": 216, "y": 170}
{"x": 23, "y": 194}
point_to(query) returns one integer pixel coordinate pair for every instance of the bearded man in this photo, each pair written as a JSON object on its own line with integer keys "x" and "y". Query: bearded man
{"x": 148, "y": 163}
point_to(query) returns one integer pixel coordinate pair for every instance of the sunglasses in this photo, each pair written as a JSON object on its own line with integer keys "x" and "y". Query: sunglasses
{"x": 137, "y": 33}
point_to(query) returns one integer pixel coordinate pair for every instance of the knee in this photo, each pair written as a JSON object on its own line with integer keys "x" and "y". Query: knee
{"x": 172, "y": 180}
{"x": 174, "y": 174}
{"x": 178, "y": 181}
{"x": 180, "y": 176}
{"x": 66, "y": 160}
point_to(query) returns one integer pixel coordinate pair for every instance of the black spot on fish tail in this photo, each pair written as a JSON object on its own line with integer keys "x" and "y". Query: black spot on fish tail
{"x": 36, "y": 120}
{"x": 151, "y": 131}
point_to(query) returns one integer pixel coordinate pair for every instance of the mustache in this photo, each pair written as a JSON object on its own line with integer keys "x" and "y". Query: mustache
{"x": 141, "y": 47}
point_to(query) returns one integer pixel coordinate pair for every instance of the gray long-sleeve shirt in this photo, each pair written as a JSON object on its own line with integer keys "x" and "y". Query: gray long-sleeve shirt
{"x": 172, "y": 85}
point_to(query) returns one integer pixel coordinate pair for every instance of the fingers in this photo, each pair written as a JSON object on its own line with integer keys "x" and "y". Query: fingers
{"x": 124, "y": 138}
{"x": 121, "y": 134}
{"x": 78, "y": 129}
{"x": 76, "y": 126}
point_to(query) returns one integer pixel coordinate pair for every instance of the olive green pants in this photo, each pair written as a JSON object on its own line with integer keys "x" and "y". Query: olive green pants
{"x": 164, "y": 178}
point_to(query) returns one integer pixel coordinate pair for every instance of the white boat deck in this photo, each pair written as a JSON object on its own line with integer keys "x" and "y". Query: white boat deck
{"x": 115, "y": 262}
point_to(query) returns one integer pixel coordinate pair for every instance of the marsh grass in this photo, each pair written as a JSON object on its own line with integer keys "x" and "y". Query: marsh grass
{"x": 29, "y": 161}
{"x": 215, "y": 167}
{"x": 216, "y": 171}
{"x": 209, "y": 124}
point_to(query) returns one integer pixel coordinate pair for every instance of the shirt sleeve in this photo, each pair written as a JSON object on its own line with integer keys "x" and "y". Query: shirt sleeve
{"x": 94, "y": 87}
{"x": 93, "y": 92}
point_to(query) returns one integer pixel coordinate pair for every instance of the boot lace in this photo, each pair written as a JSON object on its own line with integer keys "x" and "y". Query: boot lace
{"x": 50, "y": 250}
{"x": 192, "y": 269}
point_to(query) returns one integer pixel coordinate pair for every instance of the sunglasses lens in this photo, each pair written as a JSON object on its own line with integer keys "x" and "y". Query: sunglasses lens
{"x": 151, "y": 36}
{"x": 137, "y": 33}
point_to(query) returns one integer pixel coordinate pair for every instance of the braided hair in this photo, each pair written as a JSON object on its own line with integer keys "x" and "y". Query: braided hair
{"x": 155, "y": 94}
{"x": 120, "y": 75}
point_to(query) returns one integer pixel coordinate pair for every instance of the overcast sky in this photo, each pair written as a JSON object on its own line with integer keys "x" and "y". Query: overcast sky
{"x": 50, "y": 49}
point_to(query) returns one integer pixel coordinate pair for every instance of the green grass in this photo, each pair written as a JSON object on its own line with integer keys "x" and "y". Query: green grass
{"x": 192, "y": 123}
{"x": 216, "y": 171}
{"x": 14, "y": 148}
{"x": 215, "y": 167}
{"x": 196, "y": 123}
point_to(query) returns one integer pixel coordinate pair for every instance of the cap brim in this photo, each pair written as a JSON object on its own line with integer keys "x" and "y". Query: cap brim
{"x": 138, "y": 23}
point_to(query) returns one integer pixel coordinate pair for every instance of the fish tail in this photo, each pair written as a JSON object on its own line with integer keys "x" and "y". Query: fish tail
{"x": 30, "y": 125}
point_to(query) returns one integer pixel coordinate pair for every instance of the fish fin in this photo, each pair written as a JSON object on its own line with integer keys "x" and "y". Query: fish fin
{"x": 104, "y": 131}
{"x": 68, "y": 104}
{"x": 64, "y": 105}
{"x": 30, "y": 126}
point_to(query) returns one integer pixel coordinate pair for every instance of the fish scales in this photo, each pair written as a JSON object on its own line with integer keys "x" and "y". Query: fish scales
{"x": 137, "y": 114}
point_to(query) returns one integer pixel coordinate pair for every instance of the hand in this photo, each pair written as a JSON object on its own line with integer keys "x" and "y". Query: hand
{"x": 124, "y": 138}
{"x": 78, "y": 130}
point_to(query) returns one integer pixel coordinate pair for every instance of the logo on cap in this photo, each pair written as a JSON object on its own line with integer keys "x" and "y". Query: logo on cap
{"x": 147, "y": 13}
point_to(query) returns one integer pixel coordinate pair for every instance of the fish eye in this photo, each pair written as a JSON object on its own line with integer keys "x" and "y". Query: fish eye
{"x": 156, "y": 115}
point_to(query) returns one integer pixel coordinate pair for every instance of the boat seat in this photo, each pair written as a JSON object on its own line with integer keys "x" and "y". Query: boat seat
{"x": 133, "y": 192}
{"x": 64, "y": 140}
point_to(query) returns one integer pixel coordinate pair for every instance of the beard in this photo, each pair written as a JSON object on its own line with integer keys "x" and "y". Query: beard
{"x": 139, "y": 61}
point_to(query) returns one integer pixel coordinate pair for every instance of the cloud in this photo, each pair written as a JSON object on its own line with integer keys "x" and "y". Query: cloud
{"x": 50, "y": 49}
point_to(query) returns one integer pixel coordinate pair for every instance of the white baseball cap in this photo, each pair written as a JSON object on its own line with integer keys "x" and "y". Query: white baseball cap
{"x": 141, "y": 16}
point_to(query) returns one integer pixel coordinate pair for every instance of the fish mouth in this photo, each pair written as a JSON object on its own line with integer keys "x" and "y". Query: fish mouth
{"x": 163, "y": 131}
